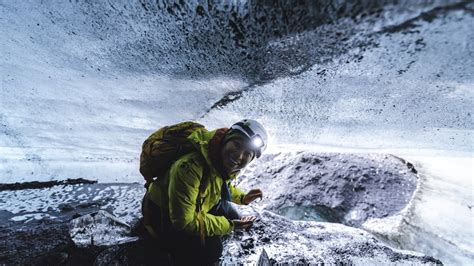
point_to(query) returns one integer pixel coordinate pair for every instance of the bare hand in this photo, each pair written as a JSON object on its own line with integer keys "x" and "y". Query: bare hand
{"x": 251, "y": 196}
{"x": 244, "y": 223}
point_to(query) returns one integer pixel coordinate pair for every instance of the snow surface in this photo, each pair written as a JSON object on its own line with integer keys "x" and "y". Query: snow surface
{"x": 123, "y": 201}
{"x": 441, "y": 215}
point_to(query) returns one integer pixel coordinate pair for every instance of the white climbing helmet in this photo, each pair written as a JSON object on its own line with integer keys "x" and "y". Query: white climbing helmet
{"x": 255, "y": 132}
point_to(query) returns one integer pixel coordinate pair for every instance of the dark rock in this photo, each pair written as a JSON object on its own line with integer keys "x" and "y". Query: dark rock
{"x": 38, "y": 185}
{"x": 263, "y": 260}
{"x": 65, "y": 207}
{"x": 248, "y": 243}
{"x": 427, "y": 16}
{"x": 412, "y": 168}
{"x": 37, "y": 242}
{"x": 47, "y": 242}
{"x": 87, "y": 205}
{"x": 55, "y": 258}
{"x": 128, "y": 254}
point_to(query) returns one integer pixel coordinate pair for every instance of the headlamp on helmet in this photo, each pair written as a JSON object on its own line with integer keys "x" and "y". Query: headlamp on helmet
{"x": 257, "y": 142}
{"x": 255, "y": 132}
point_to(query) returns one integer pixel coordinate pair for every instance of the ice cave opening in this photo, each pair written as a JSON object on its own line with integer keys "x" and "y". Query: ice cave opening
{"x": 345, "y": 188}
{"x": 393, "y": 177}
{"x": 310, "y": 213}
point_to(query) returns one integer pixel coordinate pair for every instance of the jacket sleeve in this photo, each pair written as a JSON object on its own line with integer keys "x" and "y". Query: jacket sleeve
{"x": 183, "y": 191}
{"x": 237, "y": 194}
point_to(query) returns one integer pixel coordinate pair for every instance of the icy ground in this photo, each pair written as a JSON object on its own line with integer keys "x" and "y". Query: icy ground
{"x": 311, "y": 243}
{"x": 123, "y": 201}
{"x": 354, "y": 194}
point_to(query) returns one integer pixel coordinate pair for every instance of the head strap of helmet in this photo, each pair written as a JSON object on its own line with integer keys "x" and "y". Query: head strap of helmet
{"x": 244, "y": 127}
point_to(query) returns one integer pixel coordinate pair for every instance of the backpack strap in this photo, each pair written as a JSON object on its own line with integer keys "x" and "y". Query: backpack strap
{"x": 201, "y": 198}
{"x": 203, "y": 183}
{"x": 146, "y": 217}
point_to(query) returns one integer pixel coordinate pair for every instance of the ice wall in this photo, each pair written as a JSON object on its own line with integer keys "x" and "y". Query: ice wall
{"x": 411, "y": 88}
{"x": 83, "y": 83}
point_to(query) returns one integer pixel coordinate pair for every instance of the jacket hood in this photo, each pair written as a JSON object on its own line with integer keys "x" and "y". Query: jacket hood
{"x": 201, "y": 139}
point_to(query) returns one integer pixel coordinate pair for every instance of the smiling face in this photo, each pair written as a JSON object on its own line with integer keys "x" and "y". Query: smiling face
{"x": 236, "y": 155}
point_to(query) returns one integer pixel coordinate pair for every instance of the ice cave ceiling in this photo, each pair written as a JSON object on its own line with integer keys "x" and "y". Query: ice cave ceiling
{"x": 100, "y": 76}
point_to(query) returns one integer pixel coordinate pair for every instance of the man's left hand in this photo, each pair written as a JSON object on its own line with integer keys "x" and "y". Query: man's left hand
{"x": 251, "y": 196}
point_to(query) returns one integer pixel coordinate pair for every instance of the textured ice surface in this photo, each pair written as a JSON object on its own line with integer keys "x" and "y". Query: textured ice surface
{"x": 287, "y": 241}
{"x": 440, "y": 221}
{"x": 352, "y": 188}
{"x": 83, "y": 84}
{"x": 402, "y": 226}
{"x": 99, "y": 229}
{"x": 123, "y": 201}
{"x": 414, "y": 89}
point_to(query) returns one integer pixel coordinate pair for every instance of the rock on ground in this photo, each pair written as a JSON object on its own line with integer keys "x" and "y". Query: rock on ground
{"x": 99, "y": 229}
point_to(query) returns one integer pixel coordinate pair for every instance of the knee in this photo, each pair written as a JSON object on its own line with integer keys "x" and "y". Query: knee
{"x": 214, "y": 249}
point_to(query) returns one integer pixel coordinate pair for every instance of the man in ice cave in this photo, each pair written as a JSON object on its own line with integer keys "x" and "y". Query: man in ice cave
{"x": 188, "y": 210}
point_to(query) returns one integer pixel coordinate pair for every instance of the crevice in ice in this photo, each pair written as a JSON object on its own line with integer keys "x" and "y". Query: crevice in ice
{"x": 310, "y": 213}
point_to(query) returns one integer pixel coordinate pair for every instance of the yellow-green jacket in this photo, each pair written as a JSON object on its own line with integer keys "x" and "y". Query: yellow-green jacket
{"x": 176, "y": 194}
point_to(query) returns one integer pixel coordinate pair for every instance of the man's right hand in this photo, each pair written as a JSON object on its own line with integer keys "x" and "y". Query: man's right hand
{"x": 244, "y": 223}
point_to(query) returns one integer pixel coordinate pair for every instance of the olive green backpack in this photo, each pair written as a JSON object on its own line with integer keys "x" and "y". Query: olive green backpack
{"x": 162, "y": 148}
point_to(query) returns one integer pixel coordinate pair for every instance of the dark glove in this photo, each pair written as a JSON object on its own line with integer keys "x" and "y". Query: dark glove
{"x": 244, "y": 223}
{"x": 252, "y": 195}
